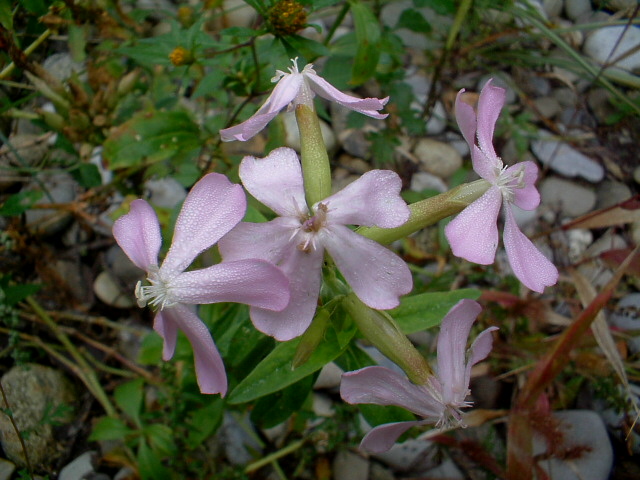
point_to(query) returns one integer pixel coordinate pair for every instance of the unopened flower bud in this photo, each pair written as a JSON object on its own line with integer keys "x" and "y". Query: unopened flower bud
{"x": 384, "y": 334}
{"x": 286, "y": 17}
{"x": 181, "y": 56}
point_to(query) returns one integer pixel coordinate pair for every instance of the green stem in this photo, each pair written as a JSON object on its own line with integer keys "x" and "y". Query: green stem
{"x": 88, "y": 375}
{"x": 28, "y": 51}
{"x": 274, "y": 456}
{"x": 316, "y": 169}
{"x": 381, "y": 330}
{"x": 429, "y": 211}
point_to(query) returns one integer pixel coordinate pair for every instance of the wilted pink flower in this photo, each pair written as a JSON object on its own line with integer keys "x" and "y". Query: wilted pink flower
{"x": 296, "y": 88}
{"x": 212, "y": 208}
{"x": 297, "y": 239}
{"x": 441, "y": 399}
{"x": 473, "y": 234}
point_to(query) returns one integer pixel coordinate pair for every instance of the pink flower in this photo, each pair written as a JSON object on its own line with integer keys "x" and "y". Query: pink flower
{"x": 297, "y": 239}
{"x": 212, "y": 208}
{"x": 473, "y": 234}
{"x": 438, "y": 401}
{"x": 296, "y": 88}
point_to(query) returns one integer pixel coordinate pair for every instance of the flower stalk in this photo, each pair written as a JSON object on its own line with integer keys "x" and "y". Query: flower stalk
{"x": 316, "y": 169}
{"x": 429, "y": 211}
{"x": 382, "y": 331}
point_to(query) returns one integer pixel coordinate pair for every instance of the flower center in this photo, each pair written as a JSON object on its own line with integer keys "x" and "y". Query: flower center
{"x": 508, "y": 182}
{"x": 312, "y": 225}
{"x": 157, "y": 295}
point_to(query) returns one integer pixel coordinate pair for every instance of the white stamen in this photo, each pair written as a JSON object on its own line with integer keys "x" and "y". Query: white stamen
{"x": 157, "y": 295}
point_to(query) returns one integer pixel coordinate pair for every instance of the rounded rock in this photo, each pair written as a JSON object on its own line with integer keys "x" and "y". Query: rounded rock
{"x": 437, "y": 158}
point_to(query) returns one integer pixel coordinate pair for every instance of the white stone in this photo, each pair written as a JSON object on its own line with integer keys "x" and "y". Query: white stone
{"x": 564, "y": 159}
{"x": 437, "y": 157}
{"x": 6, "y": 469}
{"x": 437, "y": 122}
{"x": 567, "y": 197}
{"x": 165, "y": 192}
{"x": 577, "y": 8}
{"x": 292, "y": 135}
{"x": 107, "y": 290}
{"x": 627, "y": 313}
{"x": 608, "y": 43}
{"x": 581, "y": 428}
{"x": 349, "y": 466}
{"x": 78, "y": 468}
{"x": 322, "y": 405}
{"x": 426, "y": 181}
{"x": 552, "y": 7}
{"x": 410, "y": 455}
{"x": 329, "y": 377}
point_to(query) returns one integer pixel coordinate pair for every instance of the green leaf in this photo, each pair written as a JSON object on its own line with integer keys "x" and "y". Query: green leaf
{"x": 426, "y": 310}
{"x": 150, "y": 464}
{"x": 275, "y": 373}
{"x": 109, "y": 428}
{"x": 442, "y": 7}
{"x": 305, "y": 47}
{"x": 6, "y": 15}
{"x": 204, "y": 421}
{"x": 12, "y": 294}
{"x": 77, "y": 42}
{"x": 150, "y": 350}
{"x": 160, "y": 438}
{"x": 273, "y": 409}
{"x": 128, "y": 397}
{"x": 151, "y": 137}
{"x": 19, "y": 203}
{"x": 368, "y": 39}
{"x": 414, "y": 21}
{"x": 87, "y": 175}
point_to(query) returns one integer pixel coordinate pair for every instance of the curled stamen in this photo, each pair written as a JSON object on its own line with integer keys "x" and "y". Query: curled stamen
{"x": 156, "y": 295}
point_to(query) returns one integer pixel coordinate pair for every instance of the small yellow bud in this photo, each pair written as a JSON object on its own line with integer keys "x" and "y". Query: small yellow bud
{"x": 286, "y": 17}
{"x": 181, "y": 56}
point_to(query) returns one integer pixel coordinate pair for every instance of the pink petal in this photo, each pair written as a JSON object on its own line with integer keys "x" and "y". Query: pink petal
{"x": 481, "y": 346}
{"x": 376, "y": 274}
{"x": 487, "y": 165}
{"x": 373, "y": 199}
{"x": 276, "y": 181}
{"x": 210, "y": 371}
{"x": 531, "y": 267}
{"x": 168, "y": 330}
{"x": 366, "y": 106}
{"x": 255, "y": 282}
{"x": 490, "y": 104}
{"x": 138, "y": 234}
{"x": 526, "y": 197}
{"x": 381, "y": 386}
{"x": 381, "y": 438}
{"x": 269, "y": 241}
{"x": 479, "y": 350}
{"x": 466, "y": 118}
{"x": 213, "y": 207}
{"x": 283, "y": 94}
{"x": 452, "y": 344}
{"x": 473, "y": 234}
{"x": 305, "y": 275}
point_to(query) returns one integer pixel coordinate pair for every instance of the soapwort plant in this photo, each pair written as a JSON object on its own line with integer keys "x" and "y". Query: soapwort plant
{"x": 326, "y": 280}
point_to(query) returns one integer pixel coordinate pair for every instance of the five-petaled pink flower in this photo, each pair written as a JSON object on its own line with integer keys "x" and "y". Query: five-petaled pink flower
{"x": 473, "y": 234}
{"x": 438, "y": 401}
{"x": 297, "y": 239}
{"x": 296, "y": 88}
{"x": 213, "y": 207}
